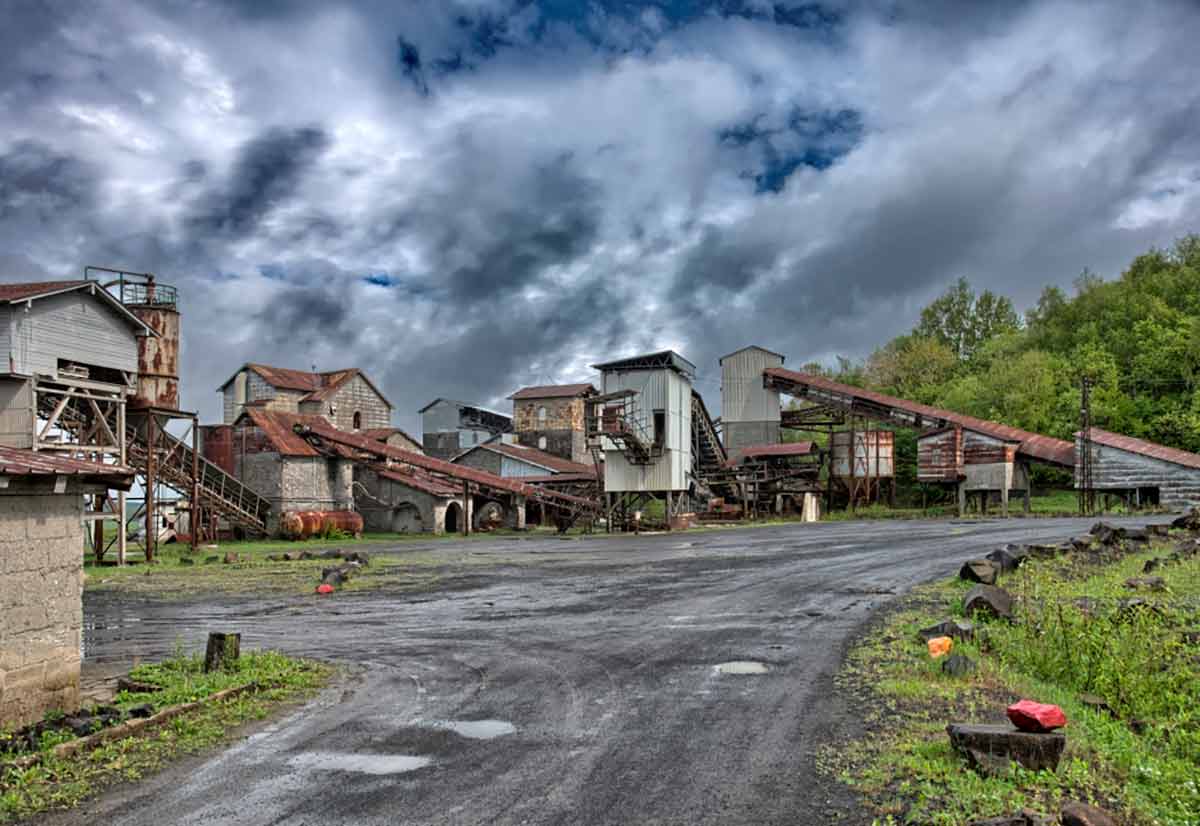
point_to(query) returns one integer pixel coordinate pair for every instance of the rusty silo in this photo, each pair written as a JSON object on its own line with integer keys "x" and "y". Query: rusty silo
{"x": 158, "y": 356}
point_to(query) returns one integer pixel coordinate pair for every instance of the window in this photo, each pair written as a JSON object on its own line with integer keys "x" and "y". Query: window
{"x": 542, "y": 413}
{"x": 358, "y": 420}
{"x": 660, "y": 428}
{"x": 542, "y": 441}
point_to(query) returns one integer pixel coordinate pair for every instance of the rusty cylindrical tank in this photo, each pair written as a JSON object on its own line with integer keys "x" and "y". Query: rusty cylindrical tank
{"x": 158, "y": 356}
{"x": 307, "y": 524}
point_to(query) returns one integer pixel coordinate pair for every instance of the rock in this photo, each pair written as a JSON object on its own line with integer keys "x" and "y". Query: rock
{"x": 81, "y": 725}
{"x": 1137, "y": 535}
{"x": 186, "y": 560}
{"x": 293, "y": 556}
{"x": 1096, "y": 703}
{"x": 334, "y": 554}
{"x": 141, "y": 711}
{"x": 939, "y": 646}
{"x": 1028, "y": 715}
{"x": 988, "y": 749}
{"x": 1137, "y": 726}
{"x": 231, "y": 558}
{"x": 1158, "y": 530}
{"x": 1026, "y": 817}
{"x": 1107, "y": 534}
{"x": 989, "y": 601}
{"x": 211, "y": 560}
{"x": 324, "y": 588}
{"x": 275, "y": 558}
{"x": 1043, "y": 551}
{"x": 1191, "y": 637}
{"x": 1083, "y": 543}
{"x": 1150, "y": 565}
{"x": 1006, "y": 560}
{"x": 956, "y": 629}
{"x": 979, "y": 570}
{"x": 358, "y": 556}
{"x": 1081, "y": 814}
{"x": 1190, "y": 521}
{"x": 136, "y": 686}
{"x": 1127, "y": 609}
{"x": 1150, "y": 583}
{"x": 958, "y": 665}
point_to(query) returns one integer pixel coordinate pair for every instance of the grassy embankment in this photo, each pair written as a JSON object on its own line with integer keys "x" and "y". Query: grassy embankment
{"x": 1071, "y": 638}
{"x": 58, "y": 782}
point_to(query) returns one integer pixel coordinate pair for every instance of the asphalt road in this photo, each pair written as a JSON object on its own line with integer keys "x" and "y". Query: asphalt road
{"x": 565, "y": 682}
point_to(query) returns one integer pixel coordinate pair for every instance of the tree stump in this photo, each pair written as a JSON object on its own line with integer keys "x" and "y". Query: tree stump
{"x": 222, "y": 652}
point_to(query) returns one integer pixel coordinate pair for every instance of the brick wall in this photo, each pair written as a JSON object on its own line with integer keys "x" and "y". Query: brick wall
{"x": 562, "y": 427}
{"x": 41, "y": 608}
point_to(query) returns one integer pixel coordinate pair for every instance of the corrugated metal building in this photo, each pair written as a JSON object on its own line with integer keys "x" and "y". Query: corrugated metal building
{"x": 647, "y": 399}
{"x": 1140, "y": 472}
{"x": 449, "y": 427}
{"x": 749, "y": 412}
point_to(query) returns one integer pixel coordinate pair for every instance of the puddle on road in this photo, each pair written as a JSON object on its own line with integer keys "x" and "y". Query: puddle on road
{"x": 477, "y": 729}
{"x": 741, "y": 667}
{"x": 361, "y": 763}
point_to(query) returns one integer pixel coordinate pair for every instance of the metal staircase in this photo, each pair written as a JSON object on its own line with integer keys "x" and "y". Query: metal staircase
{"x": 708, "y": 454}
{"x": 613, "y": 417}
{"x": 220, "y": 493}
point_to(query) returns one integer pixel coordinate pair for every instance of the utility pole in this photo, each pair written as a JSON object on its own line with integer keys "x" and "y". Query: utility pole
{"x": 1087, "y": 494}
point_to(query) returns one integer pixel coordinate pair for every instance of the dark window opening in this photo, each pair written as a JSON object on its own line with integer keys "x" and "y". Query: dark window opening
{"x": 357, "y": 420}
{"x": 660, "y": 428}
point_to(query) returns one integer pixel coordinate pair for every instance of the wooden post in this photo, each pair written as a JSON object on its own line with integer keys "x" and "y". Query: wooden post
{"x": 222, "y": 652}
{"x": 194, "y": 518}
{"x": 669, "y": 502}
{"x": 466, "y": 508}
{"x": 151, "y": 527}
{"x": 1004, "y": 499}
{"x": 98, "y": 502}
{"x": 962, "y": 500}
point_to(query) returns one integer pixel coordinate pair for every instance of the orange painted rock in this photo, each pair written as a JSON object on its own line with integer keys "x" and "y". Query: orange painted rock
{"x": 940, "y": 646}
{"x": 324, "y": 588}
{"x": 1028, "y": 715}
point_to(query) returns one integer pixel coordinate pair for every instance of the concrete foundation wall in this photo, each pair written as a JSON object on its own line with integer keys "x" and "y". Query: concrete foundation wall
{"x": 41, "y": 560}
{"x": 387, "y": 505}
{"x": 298, "y": 483}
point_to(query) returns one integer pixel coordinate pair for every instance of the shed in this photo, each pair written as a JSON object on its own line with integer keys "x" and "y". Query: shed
{"x": 1141, "y": 472}
{"x": 41, "y": 559}
{"x": 749, "y": 411}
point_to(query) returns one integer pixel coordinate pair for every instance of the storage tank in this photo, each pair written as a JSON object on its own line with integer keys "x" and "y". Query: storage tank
{"x": 872, "y": 454}
{"x": 158, "y": 357}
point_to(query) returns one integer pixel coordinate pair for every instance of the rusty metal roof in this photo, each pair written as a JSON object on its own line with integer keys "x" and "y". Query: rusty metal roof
{"x": 784, "y": 449}
{"x": 1033, "y": 445}
{"x": 533, "y": 456}
{"x": 323, "y": 430}
{"x": 317, "y": 386}
{"x": 278, "y": 427}
{"x": 33, "y": 289}
{"x": 554, "y": 391}
{"x": 1144, "y": 448}
{"x": 417, "y": 479}
{"x": 15, "y": 461}
{"x": 382, "y": 434}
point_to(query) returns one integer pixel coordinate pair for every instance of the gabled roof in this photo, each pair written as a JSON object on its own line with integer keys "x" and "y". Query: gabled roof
{"x": 782, "y": 357}
{"x": 317, "y": 386}
{"x": 1144, "y": 448}
{"x": 554, "y": 391}
{"x": 278, "y": 427}
{"x": 382, "y": 434}
{"x": 33, "y": 290}
{"x": 15, "y": 461}
{"x": 668, "y": 359}
{"x": 533, "y": 457}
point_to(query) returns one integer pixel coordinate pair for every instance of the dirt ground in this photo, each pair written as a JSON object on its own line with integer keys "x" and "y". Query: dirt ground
{"x": 555, "y": 681}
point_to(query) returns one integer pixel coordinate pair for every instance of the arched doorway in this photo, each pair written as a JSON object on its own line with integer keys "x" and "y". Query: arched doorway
{"x": 453, "y": 517}
{"x": 406, "y": 518}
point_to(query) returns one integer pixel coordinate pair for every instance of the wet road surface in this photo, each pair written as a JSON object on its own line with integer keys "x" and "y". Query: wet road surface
{"x": 676, "y": 679}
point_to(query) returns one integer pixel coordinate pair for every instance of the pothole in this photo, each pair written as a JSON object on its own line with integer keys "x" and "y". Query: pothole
{"x": 477, "y": 729}
{"x": 360, "y": 763}
{"x": 741, "y": 667}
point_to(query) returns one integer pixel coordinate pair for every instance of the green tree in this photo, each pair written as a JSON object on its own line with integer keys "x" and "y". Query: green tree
{"x": 962, "y": 320}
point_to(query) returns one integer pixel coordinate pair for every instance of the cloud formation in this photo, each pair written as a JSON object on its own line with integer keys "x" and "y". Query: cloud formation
{"x": 464, "y": 196}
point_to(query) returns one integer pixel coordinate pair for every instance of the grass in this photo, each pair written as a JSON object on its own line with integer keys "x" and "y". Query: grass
{"x": 1048, "y": 503}
{"x": 1139, "y": 761}
{"x": 62, "y": 782}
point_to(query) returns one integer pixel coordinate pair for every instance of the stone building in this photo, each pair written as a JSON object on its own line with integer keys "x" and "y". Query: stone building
{"x": 268, "y": 456}
{"x": 346, "y": 398}
{"x": 41, "y": 540}
{"x": 449, "y": 427}
{"x": 551, "y": 418}
{"x": 405, "y": 499}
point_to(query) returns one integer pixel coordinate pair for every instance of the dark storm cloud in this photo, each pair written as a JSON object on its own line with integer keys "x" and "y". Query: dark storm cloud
{"x": 268, "y": 170}
{"x": 38, "y": 182}
{"x": 299, "y": 316}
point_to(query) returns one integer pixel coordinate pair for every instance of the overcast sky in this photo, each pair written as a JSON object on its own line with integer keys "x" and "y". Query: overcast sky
{"x": 465, "y": 196}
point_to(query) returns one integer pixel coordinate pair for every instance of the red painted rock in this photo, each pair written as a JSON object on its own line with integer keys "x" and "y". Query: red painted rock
{"x": 1030, "y": 716}
{"x": 324, "y": 588}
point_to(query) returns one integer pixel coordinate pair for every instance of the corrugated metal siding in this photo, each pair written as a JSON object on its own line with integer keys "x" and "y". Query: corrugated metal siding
{"x": 1116, "y": 469}
{"x": 657, "y": 390}
{"x": 511, "y": 468}
{"x": 872, "y": 449}
{"x": 443, "y": 417}
{"x": 7, "y": 357}
{"x": 980, "y": 449}
{"x": 940, "y": 456}
{"x": 74, "y": 326}
{"x": 743, "y": 397}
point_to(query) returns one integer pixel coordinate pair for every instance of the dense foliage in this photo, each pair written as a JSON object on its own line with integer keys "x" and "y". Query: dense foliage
{"x": 1137, "y": 337}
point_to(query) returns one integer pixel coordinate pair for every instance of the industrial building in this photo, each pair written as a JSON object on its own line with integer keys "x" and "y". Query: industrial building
{"x": 749, "y": 411}
{"x": 347, "y": 398}
{"x": 551, "y": 418}
{"x": 1138, "y": 472}
{"x": 449, "y": 427}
